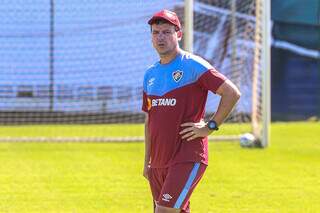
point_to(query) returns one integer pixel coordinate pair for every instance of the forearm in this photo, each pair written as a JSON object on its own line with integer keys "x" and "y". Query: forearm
{"x": 229, "y": 97}
{"x": 225, "y": 107}
{"x": 147, "y": 143}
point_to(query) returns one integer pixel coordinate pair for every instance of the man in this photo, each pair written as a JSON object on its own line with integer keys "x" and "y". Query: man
{"x": 174, "y": 98}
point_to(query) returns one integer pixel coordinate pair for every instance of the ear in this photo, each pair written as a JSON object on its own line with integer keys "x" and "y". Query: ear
{"x": 179, "y": 34}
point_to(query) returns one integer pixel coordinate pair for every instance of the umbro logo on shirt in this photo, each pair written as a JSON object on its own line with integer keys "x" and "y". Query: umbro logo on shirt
{"x": 151, "y": 81}
{"x": 177, "y": 75}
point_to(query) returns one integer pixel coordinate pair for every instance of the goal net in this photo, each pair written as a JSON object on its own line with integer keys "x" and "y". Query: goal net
{"x": 229, "y": 34}
{"x": 73, "y": 70}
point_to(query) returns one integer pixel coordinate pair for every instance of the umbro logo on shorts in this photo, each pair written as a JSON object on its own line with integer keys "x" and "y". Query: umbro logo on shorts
{"x": 166, "y": 197}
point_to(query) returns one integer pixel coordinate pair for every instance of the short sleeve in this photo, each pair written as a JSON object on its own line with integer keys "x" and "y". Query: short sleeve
{"x": 211, "y": 80}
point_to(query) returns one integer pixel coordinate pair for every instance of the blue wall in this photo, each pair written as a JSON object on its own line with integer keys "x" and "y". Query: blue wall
{"x": 295, "y": 86}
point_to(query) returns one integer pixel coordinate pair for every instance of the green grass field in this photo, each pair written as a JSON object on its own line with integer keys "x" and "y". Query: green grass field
{"x": 106, "y": 177}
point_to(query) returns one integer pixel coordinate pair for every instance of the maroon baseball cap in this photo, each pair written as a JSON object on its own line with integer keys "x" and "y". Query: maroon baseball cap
{"x": 166, "y": 15}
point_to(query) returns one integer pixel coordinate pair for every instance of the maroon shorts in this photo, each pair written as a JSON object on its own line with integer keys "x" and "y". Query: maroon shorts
{"x": 172, "y": 187}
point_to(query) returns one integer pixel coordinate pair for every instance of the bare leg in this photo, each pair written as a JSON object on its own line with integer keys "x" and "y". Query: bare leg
{"x": 162, "y": 209}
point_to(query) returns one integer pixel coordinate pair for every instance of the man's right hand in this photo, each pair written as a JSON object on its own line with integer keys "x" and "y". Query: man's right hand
{"x": 146, "y": 171}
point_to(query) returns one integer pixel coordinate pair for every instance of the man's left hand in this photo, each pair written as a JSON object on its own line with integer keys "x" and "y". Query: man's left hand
{"x": 194, "y": 130}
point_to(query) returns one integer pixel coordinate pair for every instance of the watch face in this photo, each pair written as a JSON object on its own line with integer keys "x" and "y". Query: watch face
{"x": 212, "y": 125}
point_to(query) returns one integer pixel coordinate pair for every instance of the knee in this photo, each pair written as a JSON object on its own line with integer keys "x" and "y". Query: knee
{"x": 162, "y": 209}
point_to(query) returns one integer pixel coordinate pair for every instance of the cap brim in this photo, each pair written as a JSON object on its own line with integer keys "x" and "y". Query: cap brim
{"x": 154, "y": 18}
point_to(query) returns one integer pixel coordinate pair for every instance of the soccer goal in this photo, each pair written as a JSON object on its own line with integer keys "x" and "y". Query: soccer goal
{"x": 73, "y": 71}
{"x": 234, "y": 36}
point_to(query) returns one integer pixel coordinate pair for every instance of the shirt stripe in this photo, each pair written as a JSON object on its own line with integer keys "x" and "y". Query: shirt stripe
{"x": 186, "y": 188}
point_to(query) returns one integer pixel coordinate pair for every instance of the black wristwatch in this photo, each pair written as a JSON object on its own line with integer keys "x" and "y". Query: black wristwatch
{"x": 212, "y": 125}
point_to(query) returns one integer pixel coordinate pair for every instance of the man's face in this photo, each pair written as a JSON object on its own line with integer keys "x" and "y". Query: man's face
{"x": 164, "y": 38}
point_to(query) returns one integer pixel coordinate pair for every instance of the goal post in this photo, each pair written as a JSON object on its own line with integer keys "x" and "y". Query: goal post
{"x": 266, "y": 55}
{"x": 188, "y": 26}
{"x": 86, "y": 86}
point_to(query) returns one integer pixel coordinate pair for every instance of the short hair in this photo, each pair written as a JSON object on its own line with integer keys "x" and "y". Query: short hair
{"x": 163, "y": 21}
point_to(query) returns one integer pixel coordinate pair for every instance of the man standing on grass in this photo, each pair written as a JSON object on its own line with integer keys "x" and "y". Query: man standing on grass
{"x": 174, "y": 97}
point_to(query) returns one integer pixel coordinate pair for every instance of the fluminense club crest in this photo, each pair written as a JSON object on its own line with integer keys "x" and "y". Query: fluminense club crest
{"x": 177, "y": 75}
